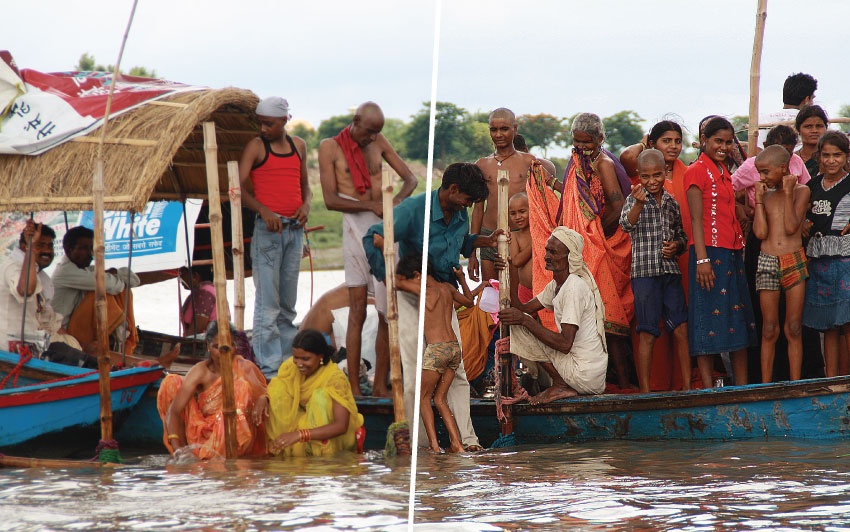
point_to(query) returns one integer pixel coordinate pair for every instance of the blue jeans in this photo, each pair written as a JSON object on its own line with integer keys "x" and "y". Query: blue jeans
{"x": 276, "y": 261}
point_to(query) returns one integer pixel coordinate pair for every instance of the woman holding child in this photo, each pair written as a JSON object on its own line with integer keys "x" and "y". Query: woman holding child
{"x": 720, "y": 315}
{"x": 827, "y": 305}
{"x": 310, "y": 408}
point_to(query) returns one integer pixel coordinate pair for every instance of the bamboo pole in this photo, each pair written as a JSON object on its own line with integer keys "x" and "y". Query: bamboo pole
{"x": 104, "y": 362}
{"x": 392, "y": 301}
{"x": 225, "y": 342}
{"x": 755, "y": 76}
{"x": 502, "y": 182}
{"x": 21, "y": 461}
{"x": 237, "y": 244}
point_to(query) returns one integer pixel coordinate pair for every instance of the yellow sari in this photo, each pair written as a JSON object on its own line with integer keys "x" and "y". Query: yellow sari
{"x": 296, "y": 402}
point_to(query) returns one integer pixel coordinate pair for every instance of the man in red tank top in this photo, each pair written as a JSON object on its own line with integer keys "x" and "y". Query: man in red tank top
{"x": 350, "y": 171}
{"x": 273, "y": 176}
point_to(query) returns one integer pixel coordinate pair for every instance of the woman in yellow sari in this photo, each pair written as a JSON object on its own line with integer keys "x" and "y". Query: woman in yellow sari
{"x": 310, "y": 407}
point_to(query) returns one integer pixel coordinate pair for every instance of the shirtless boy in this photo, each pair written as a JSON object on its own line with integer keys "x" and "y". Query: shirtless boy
{"x": 782, "y": 262}
{"x": 350, "y": 172}
{"x": 503, "y": 129}
{"x": 520, "y": 247}
{"x": 442, "y": 355}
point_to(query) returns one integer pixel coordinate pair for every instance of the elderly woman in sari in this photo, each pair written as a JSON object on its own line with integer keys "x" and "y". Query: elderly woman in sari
{"x": 191, "y": 406}
{"x": 592, "y": 200}
{"x": 309, "y": 406}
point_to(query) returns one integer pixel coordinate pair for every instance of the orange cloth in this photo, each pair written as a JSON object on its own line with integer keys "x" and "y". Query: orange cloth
{"x": 83, "y": 321}
{"x": 203, "y": 417}
{"x": 476, "y": 332}
{"x": 608, "y": 259}
{"x": 542, "y": 211}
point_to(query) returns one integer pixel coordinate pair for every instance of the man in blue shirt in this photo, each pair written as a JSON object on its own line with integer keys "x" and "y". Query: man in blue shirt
{"x": 463, "y": 185}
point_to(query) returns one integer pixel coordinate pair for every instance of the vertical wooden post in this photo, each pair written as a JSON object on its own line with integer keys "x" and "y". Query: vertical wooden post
{"x": 505, "y": 359}
{"x": 237, "y": 245}
{"x": 755, "y": 76}
{"x": 104, "y": 364}
{"x": 225, "y": 342}
{"x": 392, "y": 301}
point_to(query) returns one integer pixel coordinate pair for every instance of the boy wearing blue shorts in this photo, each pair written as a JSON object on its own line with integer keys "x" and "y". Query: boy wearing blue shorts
{"x": 652, "y": 218}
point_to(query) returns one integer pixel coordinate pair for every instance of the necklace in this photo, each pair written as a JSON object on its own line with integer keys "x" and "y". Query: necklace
{"x": 498, "y": 162}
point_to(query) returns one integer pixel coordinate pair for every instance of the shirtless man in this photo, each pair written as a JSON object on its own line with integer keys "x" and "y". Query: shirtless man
{"x": 350, "y": 172}
{"x": 503, "y": 129}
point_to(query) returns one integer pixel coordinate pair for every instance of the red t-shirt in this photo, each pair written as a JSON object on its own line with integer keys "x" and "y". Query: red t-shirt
{"x": 720, "y": 225}
{"x": 277, "y": 180}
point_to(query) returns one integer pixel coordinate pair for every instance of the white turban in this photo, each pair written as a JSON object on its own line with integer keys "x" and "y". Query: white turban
{"x": 575, "y": 244}
{"x": 273, "y": 106}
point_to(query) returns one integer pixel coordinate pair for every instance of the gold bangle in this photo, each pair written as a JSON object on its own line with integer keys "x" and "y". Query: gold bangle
{"x": 173, "y": 437}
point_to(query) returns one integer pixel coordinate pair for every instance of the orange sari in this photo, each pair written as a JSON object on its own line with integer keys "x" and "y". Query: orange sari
{"x": 542, "y": 211}
{"x": 608, "y": 259}
{"x": 204, "y": 419}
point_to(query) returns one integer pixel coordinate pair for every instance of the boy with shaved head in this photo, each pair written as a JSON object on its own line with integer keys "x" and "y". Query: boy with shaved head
{"x": 652, "y": 217}
{"x": 273, "y": 176}
{"x": 350, "y": 172}
{"x": 782, "y": 261}
{"x": 503, "y": 129}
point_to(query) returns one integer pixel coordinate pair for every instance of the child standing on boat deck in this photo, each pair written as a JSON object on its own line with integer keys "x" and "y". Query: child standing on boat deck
{"x": 778, "y": 221}
{"x": 520, "y": 247}
{"x": 442, "y": 355}
{"x": 653, "y": 219}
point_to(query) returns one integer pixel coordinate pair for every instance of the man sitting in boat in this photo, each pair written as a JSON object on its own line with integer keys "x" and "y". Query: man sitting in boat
{"x": 74, "y": 280}
{"x": 575, "y": 357}
{"x": 191, "y": 406}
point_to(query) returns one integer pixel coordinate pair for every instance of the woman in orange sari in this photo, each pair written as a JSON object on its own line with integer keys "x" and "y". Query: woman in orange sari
{"x": 592, "y": 198}
{"x": 191, "y": 406}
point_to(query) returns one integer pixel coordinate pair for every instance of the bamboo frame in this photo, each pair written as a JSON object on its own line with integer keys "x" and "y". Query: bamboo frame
{"x": 237, "y": 244}
{"x": 118, "y": 141}
{"x": 755, "y": 76}
{"x": 502, "y": 183}
{"x": 392, "y": 300}
{"x": 225, "y": 342}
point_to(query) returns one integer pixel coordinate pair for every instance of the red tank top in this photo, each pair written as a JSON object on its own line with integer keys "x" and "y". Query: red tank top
{"x": 277, "y": 180}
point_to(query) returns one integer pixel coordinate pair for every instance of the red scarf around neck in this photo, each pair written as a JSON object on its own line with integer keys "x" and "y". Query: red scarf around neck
{"x": 356, "y": 162}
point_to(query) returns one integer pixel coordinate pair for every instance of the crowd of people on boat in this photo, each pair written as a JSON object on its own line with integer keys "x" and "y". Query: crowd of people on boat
{"x": 639, "y": 254}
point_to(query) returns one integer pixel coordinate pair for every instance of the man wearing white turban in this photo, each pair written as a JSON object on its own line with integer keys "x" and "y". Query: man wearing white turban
{"x": 576, "y": 356}
{"x": 273, "y": 176}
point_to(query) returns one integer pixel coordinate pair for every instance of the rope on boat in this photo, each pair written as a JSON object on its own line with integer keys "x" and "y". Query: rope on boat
{"x": 107, "y": 452}
{"x": 25, "y": 356}
{"x": 503, "y": 346}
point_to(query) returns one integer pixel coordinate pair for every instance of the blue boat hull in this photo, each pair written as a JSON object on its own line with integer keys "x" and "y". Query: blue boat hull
{"x": 33, "y": 409}
{"x": 810, "y": 409}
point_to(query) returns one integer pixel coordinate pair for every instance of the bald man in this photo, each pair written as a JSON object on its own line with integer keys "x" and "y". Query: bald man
{"x": 503, "y": 129}
{"x": 350, "y": 173}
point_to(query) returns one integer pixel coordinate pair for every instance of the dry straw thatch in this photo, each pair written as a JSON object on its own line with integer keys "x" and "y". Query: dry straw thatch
{"x": 153, "y": 152}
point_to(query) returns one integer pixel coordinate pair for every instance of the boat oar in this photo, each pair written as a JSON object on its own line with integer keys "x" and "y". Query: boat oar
{"x": 505, "y": 360}
{"x": 398, "y": 434}
{"x": 20, "y": 461}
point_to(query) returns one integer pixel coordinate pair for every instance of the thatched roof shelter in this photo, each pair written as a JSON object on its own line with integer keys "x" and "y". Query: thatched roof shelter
{"x": 153, "y": 152}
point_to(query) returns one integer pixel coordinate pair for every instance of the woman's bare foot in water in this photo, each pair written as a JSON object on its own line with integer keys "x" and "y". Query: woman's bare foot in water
{"x": 553, "y": 393}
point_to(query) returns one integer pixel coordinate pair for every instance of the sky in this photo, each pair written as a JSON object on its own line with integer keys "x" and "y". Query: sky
{"x": 325, "y": 57}
{"x": 686, "y": 57}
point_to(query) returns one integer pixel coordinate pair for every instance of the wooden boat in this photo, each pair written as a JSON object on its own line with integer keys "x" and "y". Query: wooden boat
{"x": 48, "y": 397}
{"x": 807, "y": 409}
